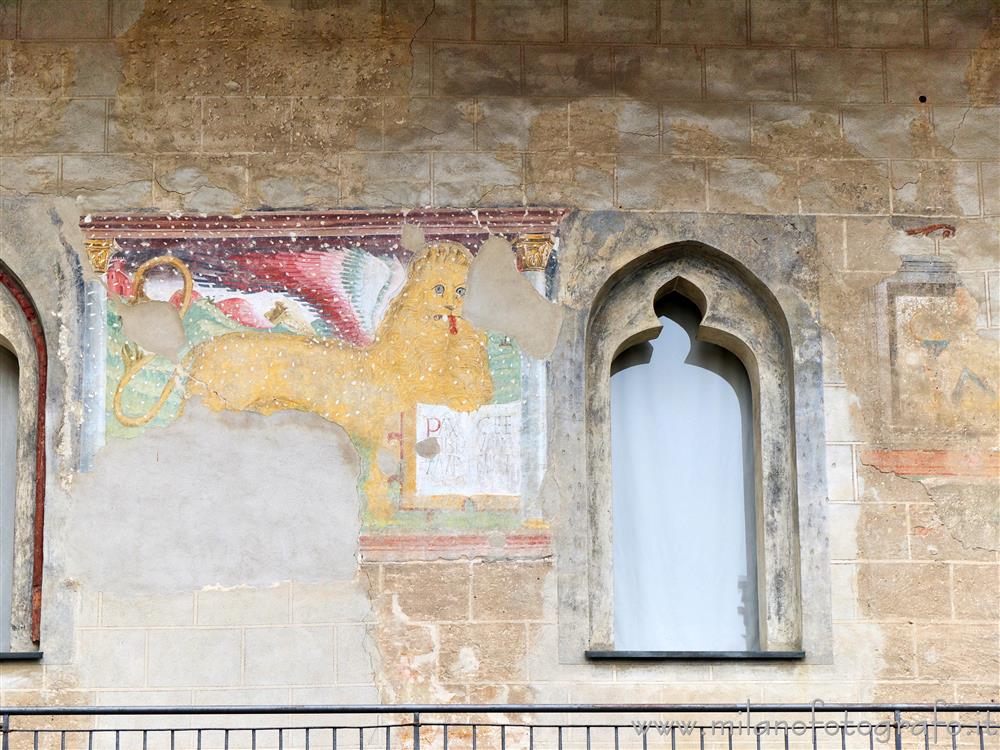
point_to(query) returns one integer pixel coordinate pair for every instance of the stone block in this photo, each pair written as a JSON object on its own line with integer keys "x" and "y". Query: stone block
{"x": 706, "y": 129}
{"x": 477, "y": 70}
{"x": 8, "y": 20}
{"x": 112, "y": 658}
{"x": 844, "y": 592}
{"x": 752, "y": 186}
{"x": 478, "y": 180}
{"x": 843, "y": 518}
{"x": 845, "y": 76}
{"x": 240, "y": 697}
{"x": 294, "y": 181}
{"x": 958, "y": 652}
{"x": 35, "y": 70}
{"x": 246, "y": 124}
{"x": 194, "y": 657}
{"x": 482, "y": 652}
{"x": 916, "y": 591}
{"x": 935, "y": 188}
{"x": 97, "y": 70}
{"x": 149, "y": 611}
{"x": 355, "y": 660}
{"x": 336, "y": 601}
{"x": 29, "y": 174}
{"x": 245, "y": 606}
{"x": 959, "y": 23}
{"x": 101, "y": 182}
{"x": 613, "y": 21}
{"x": 786, "y": 130}
{"x": 446, "y": 20}
{"x": 870, "y": 23}
{"x": 299, "y": 655}
{"x": 419, "y": 83}
{"x": 335, "y": 695}
{"x": 661, "y": 184}
{"x": 418, "y": 124}
{"x": 933, "y": 537}
{"x": 799, "y": 22}
{"x": 844, "y": 186}
{"x": 194, "y": 68}
{"x": 508, "y": 590}
{"x": 883, "y": 532}
{"x": 520, "y": 21}
{"x": 52, "y": 126}
{"x": 59, "y": 19}
{"x": 886, "y": 648}
{"x": 564, "y": 179}
{"x": 201, "y": 183}
{"x": 326, "y": 125}
{"x": 567, "y": 70}
{"x": 840, "y": 473}
{"x": 993, "y": 295}
{"x": 658, "y": 73}
{"x": 154, "y": 124}
{"x": 888, "y": 132}
{"x": 703, "y": 23}
{"x": 841, "y": 408}
{"x": 429, "y": 591}
{"x": 385, "y": 179}
{"x": 523, "y": 124}
{"x": 309, "y": 66}
{"x": 614, "y": 126}
{"x": 975, "y": 591}
{"x": 749, "y": 74}
{"x": 938, "y": 75}
{"x": 968, "y": 132}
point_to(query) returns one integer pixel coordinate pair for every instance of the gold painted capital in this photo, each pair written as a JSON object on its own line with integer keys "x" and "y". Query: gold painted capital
{"x": 533, "y": 251}
{"x": 99, "y": 251}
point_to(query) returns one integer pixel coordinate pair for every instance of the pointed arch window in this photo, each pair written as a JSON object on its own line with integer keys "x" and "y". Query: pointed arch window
{"x": 682, "y": 468}
{"x": 692, "y": 467}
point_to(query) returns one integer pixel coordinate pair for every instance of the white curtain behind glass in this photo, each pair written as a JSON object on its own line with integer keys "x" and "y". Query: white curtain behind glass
{"x": 8, "y": 486}
{"x": 682, "y": 476}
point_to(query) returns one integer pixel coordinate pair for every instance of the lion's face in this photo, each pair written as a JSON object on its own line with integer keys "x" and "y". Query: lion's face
{"x": 433, "y": 294}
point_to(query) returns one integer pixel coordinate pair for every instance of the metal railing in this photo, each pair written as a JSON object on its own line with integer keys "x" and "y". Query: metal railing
{"x": 743, "y": 726}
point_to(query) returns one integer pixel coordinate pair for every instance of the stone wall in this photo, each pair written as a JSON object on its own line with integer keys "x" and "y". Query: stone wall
{"x": 875, "y": 125}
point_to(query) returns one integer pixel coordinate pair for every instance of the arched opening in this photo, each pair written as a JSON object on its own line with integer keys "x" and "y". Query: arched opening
{"x": 9, "y": 375}
{"x": 683, "y": 492}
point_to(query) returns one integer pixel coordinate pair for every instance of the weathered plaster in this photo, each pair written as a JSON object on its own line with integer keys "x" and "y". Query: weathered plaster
{"x": 500, "y": 298}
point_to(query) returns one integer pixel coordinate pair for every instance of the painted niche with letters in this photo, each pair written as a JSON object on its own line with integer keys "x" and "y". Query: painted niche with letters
{"x": 355, "y": 316}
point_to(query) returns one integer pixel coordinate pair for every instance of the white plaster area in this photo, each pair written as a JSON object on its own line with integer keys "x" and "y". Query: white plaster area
{"x": 217, "y": 499}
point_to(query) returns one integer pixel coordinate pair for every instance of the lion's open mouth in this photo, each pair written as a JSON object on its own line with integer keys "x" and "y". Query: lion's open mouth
{"x": 452, "y": 322}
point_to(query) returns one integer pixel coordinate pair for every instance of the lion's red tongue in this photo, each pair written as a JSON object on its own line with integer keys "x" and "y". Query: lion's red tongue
{"x": 452, "y": 324}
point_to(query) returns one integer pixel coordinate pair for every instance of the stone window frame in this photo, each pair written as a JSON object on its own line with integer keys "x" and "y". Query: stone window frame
{"x": 740, "y": 315}
{"x": 778, "y": 257}
{"x": 21, "y": 333}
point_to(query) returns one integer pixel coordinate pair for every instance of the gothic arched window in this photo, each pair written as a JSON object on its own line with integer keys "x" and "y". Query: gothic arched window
{"x": 692, "y": 464}
{"x": 682, "y": 469}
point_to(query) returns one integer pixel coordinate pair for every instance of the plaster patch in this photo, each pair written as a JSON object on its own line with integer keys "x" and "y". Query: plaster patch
{"x": 223, "y": 500}
{"x": 155, "y": 326}
{"x": 412, "y": 238}
{"x": 501, "y": 299}
{"x": 428, "y": 447}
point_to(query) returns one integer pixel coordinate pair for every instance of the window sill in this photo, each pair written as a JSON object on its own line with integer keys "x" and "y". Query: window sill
{"x": 696, "y": 655}
{"x": 20, "y": 655}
